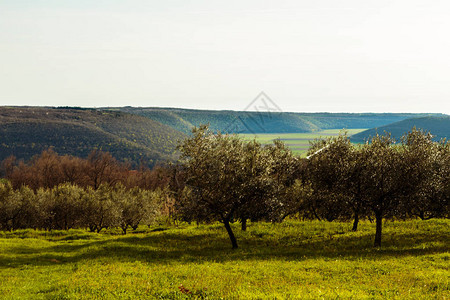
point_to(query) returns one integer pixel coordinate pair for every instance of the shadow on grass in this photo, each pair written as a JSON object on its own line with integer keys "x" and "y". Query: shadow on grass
{"x": 214, "y": 246}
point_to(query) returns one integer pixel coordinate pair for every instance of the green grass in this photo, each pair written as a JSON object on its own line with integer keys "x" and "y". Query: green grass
{"x": 297, "y": 142}
{"x": 297, "y": 260}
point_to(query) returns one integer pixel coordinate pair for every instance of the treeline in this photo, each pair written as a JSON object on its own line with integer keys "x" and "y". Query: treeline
{"x": 49, "y": 169}
{"x": 220, "y": 177}
{"x": 67, "y": 206}
{"x": 381, "y": 179}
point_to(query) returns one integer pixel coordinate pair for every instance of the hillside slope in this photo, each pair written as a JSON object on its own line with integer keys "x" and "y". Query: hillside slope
{"x": 264, "y": 122}
{"x": 225, "y": 121}
{"x": 26, "y": 131}
{"x": 439, "y": 126}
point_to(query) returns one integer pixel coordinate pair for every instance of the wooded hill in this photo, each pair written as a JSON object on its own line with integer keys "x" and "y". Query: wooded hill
{"x": 27, "y": 131}
{"x": 264, "y": 122}
{"x": 438, "y": 126}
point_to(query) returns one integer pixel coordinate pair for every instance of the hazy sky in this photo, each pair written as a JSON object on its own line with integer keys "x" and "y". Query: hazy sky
{"x": 315, "y": 55}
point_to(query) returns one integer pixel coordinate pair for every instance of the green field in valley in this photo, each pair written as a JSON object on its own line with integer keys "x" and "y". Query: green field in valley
{"x": 291, "y": 260}
{"x": 297, "y": 142}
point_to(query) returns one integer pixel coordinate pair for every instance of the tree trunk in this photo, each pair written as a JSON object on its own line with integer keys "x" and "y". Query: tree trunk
{"x": 244, "y": 224}
{"x": 355, "y": 221}
{"x": 422, "y": 215}
{"x": 379, "y": 223}
{"x": 315, "y": 214}
{"x": 226, "y": 222}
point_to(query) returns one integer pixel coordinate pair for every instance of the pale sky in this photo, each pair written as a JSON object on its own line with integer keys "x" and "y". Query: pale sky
{"x": 315, "y": 55}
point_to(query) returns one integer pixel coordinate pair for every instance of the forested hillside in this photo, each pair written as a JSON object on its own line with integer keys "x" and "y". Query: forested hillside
{"x": 438, "y": 126}
{"x": 264, "y": 122}
{"x": 27, "y": 131}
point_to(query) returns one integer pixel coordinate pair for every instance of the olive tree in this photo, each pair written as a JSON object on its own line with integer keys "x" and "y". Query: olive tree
{"x": 267, "y": 172}
{"x": 9, "y": 210}
{"x": 212, "y": 164}
{"x": 136, "y": 206}
{"x": 101, "y": 206}
{"x": 64, "y": 206}
{"x": 17, "y": 207}
{"x": 227, "y": 178}
{"x": 427, "y": 175}
{"x": 330, "y": 166}
{"x": 384, "y": 172}
{"x": 285, "y": 170}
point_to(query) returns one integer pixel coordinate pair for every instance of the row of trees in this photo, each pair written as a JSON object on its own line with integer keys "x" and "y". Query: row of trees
{"x": 227, "y": 179}
{"x": 49, "y": 169}
{"x": 69, "y": 206}
{"x": 380, "y": 179}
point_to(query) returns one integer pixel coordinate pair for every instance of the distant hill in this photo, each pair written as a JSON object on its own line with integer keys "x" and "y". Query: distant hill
{"x": 27, "y": 131}
{"x": 439, "y": 126}
{"x": 264, "y": 122}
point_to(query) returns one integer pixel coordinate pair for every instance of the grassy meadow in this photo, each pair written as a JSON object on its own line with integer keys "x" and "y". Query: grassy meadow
{"x": 297, "y": 142}
{"x": 291, "y": 260}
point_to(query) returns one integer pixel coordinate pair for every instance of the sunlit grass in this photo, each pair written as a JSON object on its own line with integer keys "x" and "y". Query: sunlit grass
{"x": 298, "y": 142}
{"x": 303, "y": 260}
